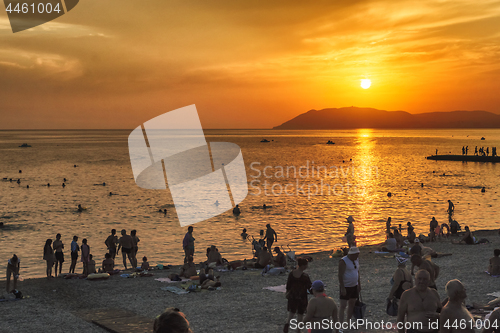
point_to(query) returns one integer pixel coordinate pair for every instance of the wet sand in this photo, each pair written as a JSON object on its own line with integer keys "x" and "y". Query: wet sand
{"x": 241, "y": 305}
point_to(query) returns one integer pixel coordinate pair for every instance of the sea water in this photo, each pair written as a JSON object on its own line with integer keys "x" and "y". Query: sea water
{"x": 311, "y": 187}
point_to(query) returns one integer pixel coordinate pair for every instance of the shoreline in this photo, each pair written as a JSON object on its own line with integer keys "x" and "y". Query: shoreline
{"x": 58, "y": 303}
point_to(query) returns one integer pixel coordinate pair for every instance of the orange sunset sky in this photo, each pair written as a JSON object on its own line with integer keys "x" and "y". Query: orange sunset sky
{"x": 247, "y": 64}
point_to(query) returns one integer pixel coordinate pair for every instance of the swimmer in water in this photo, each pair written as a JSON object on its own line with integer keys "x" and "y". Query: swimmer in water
{"x": 48, "y": 184}
{"x": 216, "y": 203}
{"x": 80, "y": 208}
{"x": 19, "y": 181}
{"x": 236, "y": 211}
{"x": 65, "y": 180}
{"x": 165, "y": 211}
{"x": 63, "y": 185}
{"x": 244, "y": 234}
{"x": 264, "y": 206}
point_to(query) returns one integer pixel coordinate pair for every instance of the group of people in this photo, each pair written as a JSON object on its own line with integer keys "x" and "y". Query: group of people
{"x": 53, "y": 253}
{"x": 481, "y": 151}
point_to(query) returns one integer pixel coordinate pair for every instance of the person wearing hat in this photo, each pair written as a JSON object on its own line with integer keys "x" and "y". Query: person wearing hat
{"x": 402, "y": 279}
{"x": 349, "y": 281}
{"x": 321, "y": 307}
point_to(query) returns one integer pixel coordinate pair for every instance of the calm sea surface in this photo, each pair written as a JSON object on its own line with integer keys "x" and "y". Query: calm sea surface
{"x": 312, "y": 188}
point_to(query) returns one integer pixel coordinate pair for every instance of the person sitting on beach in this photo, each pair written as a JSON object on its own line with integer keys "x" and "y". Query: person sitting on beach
{"x": 210, "y": 283}
{"x": 108, "y": 264}
{"x": 48, "y": 256}
{"x": 402, "y": 279}
{"x": 297, "y": 285}
{"x": 442, "y": 233}
{"x": 91, "y": 265}
{"x": 280, "y": 259}
{"x": 188, "y": 269}
{"x": 145, "y": 264}
{"x": 126, "y": 244}
{"x": 271, "y": 236}
{"x": 466, "y": 239}
{"x": 214, "y": 256}
{"x": 390, "y": 244}
{"x": 206, "y": 275}
{"x": 420, "y": 305}
{"x": 350, "y": 282}
{"x": 399, "y": 238}
{"x": 494, "y": 266}
{"x": 74, "y": 254}
{"x": 411, "y": 236}
{"x": 494, "y": 317}
{"x": 171, "y": 321}
{"x": 429, "y": 266}
{"x": 244, "y": 234}
{"x": 13, "y": 266}
{"x": 265, "y": 258}
{"x": 85, "y": 256}
{"x": 455, "y": 310}
{"x": 58, "y": 247}
{"x": 320, "y": 307}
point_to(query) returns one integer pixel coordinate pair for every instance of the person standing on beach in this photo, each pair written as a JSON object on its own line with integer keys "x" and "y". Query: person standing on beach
{"x": 350, "y": 283}
{"x": 111, "y": 242}
{"x": 451, "y": 207}
{"x": 126, "y": 244}
{"x": 420, "y": 305}
{"x": 85, "y": 256}
{"x": 74, "y": 254}
{"x": 48, "y": 256}
{"x": 135, "y": 248}
{"x": 402, "y": 279}
{"x": 13, "y": 266}
{"x": 58, "y": 248}
{"x": 321, "y": 307}
{"x": 188, "y": 244}
{"x": 455, "y": 310}
{"x": 388, "y": 226}
{"x": 297, "y": 285}
{"x": 271, "y": 236}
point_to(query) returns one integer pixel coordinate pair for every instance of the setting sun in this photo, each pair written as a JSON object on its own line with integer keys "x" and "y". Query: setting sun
{"x": 365, "y": 83}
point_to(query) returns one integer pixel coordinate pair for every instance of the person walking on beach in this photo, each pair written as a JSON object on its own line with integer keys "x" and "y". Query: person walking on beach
{"x": 271, "y": 236}
{"x": 58, "y": 248}
{"x": 13, "y": 266}
{"x": 111, "y": 242}
{"x": 350, "y": 283}
{"x": 451, "y": 207}
{"x": 48, "y": 256}
{"x": 188, "y": 244}
{"x": 135, "y": 248}
{"x": 74, "y": 254}
{"x": 126, "y": 244}
{"x": 297, "y": 285}
{"x": 85, "y": 256}
{"x": 455, "y": 310}
{"x": 420, "y": 305}
{"x": 321, "y": 307}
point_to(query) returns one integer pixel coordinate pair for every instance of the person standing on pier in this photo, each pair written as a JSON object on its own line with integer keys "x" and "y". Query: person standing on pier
{"x": 463, "y": 150}
{"x": 475, "y": 152}
{"x": 466, "y": 150}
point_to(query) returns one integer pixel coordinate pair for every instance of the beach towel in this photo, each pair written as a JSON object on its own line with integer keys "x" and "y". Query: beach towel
{"x": 495, "y": 294}
{"x": 175, "y": 290}
{"x": 167, "y": 280}
{"x": 279, "y": 289}
{"x": 491, "y": 275}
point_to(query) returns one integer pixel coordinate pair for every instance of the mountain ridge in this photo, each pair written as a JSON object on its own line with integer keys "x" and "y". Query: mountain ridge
{"x": 355, "y": 117}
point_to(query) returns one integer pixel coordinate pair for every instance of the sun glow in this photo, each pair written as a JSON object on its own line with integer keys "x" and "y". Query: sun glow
{"x": 365, "y": 83}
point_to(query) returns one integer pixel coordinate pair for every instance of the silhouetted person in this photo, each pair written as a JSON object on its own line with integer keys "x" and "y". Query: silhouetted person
{"x": 236, "y": 211}
{"x": 451, "y": 207}
{"x": 475, "y": 151}
{"x": 466, "y": 150}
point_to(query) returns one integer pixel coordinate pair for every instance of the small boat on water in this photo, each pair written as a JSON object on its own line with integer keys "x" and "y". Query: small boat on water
{"x": 330, "y": 142}
{"x": 264, "y": 140}
{"x": 483, "y": 138}
{"x": 24, "y": 145}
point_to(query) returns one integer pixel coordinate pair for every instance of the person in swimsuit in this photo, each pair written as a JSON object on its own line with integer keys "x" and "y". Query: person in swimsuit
{"x": 271, "y": 236}
{"x": 494, "y": 266}
{"x": 13, "y": 266}
{"x": 320, "y": 310}
{"x": 297, "y": 285}
{"x": 420, "y": 305}
{"x": 74, "y": 254}
{"x": 402, "y": 279}
{"x": 111, "y": 242}
{"x": 85, "y": 256}
{"x": 108, "y": 264}
{"x": 188, "y": 244}
{"x": 467, "y": 238}
{"x": 48, "y": 255}
{"x": 58, "y": 248}
{"x": 126, "y": 244}
{"x": 135, "y": 248}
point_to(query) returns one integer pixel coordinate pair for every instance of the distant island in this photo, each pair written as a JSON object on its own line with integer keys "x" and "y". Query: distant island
{"x": 354, "y": 117}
